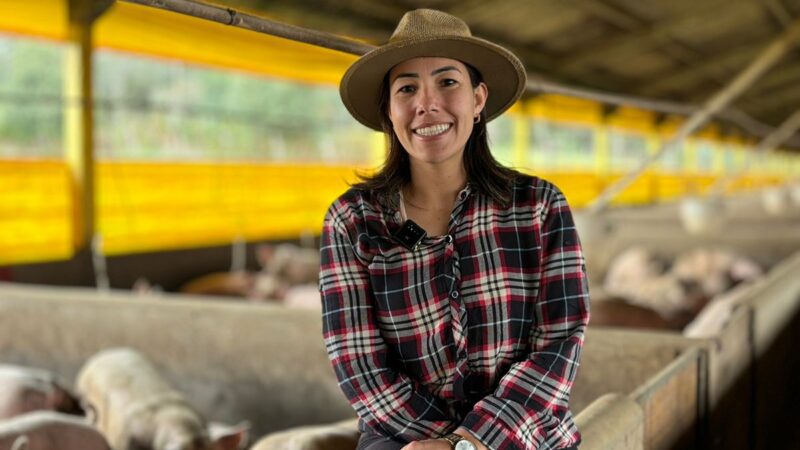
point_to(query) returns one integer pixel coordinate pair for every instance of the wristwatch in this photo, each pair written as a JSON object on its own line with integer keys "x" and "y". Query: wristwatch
{"x": 458, "y": 442}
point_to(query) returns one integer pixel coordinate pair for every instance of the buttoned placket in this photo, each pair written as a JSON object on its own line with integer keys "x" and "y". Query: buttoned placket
{"x": 458, "y": 308}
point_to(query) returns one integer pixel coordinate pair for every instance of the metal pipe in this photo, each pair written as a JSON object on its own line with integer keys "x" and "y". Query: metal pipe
{"x": 227, "y": 16}
{"x": 766, "y": 59}
{"x": 539, "y": 85}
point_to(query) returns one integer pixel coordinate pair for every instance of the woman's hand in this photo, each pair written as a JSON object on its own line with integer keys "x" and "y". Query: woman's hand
{"x": 441, "y": 444}
{"x": 428, "y": 444}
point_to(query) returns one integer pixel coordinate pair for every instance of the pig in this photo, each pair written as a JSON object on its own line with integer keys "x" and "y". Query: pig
{"x": 714, "y": 271}
{"x": 303, "y": 296}
{"x": 631, "y": 267}
{"x": 337, "y": 436}
{"x": 290, "y": 263}
{"x": 229, "y": 284}
{"x": 665, "y": 294}
{"x": 642, "y": 279}
{"x": 284, "y": 266}
{"x": 49, "y": 430}
{"x": 716, "y": 315}
{"x": 137, "y": 409}
{"x": 25, "y": 389}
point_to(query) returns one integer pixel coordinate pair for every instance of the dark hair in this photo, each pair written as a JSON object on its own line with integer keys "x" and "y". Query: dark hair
{"x": 484, "y": 173}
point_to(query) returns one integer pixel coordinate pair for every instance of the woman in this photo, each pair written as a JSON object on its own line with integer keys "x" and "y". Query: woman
{"x": 454, "y": 291}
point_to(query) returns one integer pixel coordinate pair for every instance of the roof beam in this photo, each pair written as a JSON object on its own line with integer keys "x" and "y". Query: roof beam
{"x": 721, "y": 66}
{"x": 643, "y": 36}
{"x": 627, "y": 21}
{"x": 776, "y": 9}
{"x": 764, "y": 105}
{"x": 788, "y": 74}
{"x": 613, "y": 15}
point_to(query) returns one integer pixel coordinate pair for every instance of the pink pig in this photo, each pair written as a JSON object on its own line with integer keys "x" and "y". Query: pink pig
{"x": 48, "y": 430}
{"x": 24, "y": 389}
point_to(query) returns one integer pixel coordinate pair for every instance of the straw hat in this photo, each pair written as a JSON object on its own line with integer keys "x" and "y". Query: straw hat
{"x": 427, "y": 32}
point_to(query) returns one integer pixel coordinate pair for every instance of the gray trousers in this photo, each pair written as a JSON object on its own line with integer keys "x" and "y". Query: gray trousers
{"x": 374, "y": 441}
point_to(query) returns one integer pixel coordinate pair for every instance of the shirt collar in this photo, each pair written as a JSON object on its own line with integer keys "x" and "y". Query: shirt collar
{"x": 391, "y": 202}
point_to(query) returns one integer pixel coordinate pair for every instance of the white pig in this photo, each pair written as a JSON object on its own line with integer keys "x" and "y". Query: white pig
{"x": 136, "y": 409}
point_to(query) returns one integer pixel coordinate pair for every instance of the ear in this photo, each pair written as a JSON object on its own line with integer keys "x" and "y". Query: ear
{"x": 264, "y": 254}
{"x": 481, "y": 94}
{"x": 20, "y": 443}
{"x": 227, "y": 437}
{"x": 90, "y": 412}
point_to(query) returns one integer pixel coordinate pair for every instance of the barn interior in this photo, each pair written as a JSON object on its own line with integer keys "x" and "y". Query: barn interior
{"x": 157, "y": 157}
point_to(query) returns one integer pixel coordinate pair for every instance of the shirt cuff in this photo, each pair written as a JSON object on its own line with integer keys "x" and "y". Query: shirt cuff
{"x": 492, "y": 431}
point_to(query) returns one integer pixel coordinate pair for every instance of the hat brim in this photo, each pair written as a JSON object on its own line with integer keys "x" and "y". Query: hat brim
{"x": 502, "y": 72}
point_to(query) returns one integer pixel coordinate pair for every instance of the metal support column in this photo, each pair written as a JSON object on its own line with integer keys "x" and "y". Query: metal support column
{"x": 78, "y": 116}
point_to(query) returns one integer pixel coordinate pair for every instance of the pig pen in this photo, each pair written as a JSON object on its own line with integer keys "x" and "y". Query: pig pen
{"x": 267, "y": 364}
{"x": 663, "y": 377}
{"x": 750, "y": 362}
{"x": 235, "y": 361}
{"x": 732, "y": 390}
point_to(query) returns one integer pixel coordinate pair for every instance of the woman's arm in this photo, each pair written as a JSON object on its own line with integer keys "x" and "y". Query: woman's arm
{"x": 387, "y": 400}
{"x": 527, "y": 410}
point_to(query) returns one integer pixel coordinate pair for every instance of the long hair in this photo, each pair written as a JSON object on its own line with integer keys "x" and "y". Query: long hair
{"x": 484, "y": 173}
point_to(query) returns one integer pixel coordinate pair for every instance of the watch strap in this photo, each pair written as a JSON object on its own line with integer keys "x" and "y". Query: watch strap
{"x": 453, "y": 439}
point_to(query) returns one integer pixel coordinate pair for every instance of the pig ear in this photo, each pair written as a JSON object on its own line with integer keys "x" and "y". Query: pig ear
{"x": 89, "y": 411}
{"x": 264, "y": 253}
{"x": 20, "y": 443}
{"x": 226, "y": 437}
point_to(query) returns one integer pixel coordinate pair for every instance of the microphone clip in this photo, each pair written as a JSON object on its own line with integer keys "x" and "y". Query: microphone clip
{"x": 410, "y": 235}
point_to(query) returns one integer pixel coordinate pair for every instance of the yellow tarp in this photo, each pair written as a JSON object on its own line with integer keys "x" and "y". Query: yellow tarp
{"x": 42, "y": 18}
{"x": 35, "y": 211}
{"x": 154, "y": 32}
{"x": 159, "y": 206}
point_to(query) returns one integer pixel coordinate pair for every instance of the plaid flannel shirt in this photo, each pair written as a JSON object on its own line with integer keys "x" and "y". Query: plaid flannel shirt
{"x": 481, "y": 328}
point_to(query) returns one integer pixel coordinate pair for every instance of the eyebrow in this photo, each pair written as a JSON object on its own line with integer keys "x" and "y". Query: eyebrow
{"x": 435, "y": 72}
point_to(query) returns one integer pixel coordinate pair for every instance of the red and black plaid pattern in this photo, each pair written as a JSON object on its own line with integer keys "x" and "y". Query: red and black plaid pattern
{"x": 481, "y": 328}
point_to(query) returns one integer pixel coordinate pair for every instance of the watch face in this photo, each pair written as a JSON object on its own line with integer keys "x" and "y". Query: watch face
{"x": 464, "y": 445}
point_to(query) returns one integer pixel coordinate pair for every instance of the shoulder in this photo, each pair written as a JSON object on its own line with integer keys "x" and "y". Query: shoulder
{"x": 353, "y": 208}
{"x": 535, "y": 191}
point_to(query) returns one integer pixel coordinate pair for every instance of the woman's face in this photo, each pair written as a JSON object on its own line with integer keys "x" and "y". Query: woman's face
{"x": 432, "y": 106}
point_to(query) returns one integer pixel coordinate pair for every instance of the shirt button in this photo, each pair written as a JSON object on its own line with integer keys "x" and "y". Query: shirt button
{"x": 448, "y": 239}
{"x": 463, "y": 195}
{"x": 454, "y": 294}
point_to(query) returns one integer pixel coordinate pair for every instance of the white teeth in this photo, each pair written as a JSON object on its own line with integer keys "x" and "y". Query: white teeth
{"x": 433, "y": 130}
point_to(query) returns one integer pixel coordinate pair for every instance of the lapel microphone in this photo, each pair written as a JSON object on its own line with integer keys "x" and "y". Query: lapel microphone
{"x": 410, "y": 235}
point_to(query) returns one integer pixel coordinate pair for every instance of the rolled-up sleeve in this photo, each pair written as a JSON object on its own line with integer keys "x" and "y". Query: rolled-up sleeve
{"x": 387, "y": 400}
{"x": 528, "y": 408}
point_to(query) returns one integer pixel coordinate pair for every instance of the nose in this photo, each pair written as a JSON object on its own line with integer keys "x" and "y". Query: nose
{"x": 428, "y": 101}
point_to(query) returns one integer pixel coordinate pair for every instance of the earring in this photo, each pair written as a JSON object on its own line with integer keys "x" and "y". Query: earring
{"x": 477, "y": 118}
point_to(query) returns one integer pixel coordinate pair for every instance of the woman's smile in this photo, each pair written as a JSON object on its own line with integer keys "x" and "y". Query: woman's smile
{"x": 433, "y": 130}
